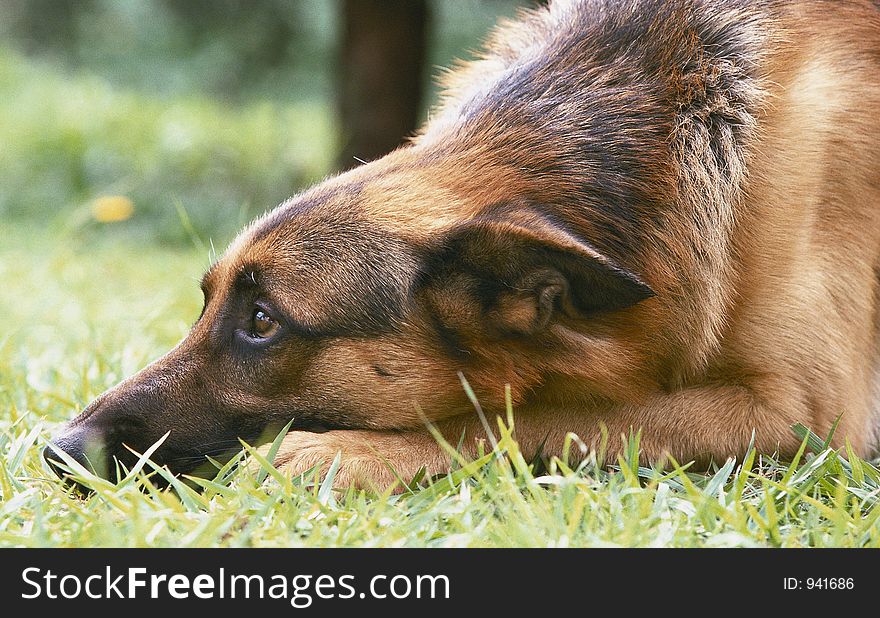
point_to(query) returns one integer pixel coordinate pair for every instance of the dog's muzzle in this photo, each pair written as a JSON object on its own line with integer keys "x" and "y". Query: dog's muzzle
{"x": 84, "y": 445}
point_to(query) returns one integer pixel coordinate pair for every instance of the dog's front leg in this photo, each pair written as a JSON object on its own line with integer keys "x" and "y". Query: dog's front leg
{"x": 369, "y": 459}
{"x": 702, "y": 423}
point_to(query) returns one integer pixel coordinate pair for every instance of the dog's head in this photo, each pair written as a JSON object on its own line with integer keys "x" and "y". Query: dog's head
{"x": 356, "y": 305}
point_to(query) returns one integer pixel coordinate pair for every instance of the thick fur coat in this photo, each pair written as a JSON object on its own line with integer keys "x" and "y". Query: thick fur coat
{"x": 655, "y": 215}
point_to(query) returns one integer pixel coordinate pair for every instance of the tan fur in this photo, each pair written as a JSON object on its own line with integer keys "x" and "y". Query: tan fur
{"x": 800, "y": 341}
{"x": 723, "y": 282}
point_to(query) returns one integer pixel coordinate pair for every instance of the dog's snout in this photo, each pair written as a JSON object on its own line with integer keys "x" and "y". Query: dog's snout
{"x": 84, "y": 445}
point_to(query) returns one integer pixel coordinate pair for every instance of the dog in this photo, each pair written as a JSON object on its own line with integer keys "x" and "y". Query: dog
{"x": 632, "y": 215}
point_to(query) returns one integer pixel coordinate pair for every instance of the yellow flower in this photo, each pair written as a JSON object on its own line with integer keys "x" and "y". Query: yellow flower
{"x": 110, "y": 208}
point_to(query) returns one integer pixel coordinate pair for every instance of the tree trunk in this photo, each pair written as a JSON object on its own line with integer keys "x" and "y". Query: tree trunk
{"x": 381, "y": 75}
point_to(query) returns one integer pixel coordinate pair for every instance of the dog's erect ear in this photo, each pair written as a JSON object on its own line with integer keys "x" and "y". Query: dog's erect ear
{"x": 525, "y": 268}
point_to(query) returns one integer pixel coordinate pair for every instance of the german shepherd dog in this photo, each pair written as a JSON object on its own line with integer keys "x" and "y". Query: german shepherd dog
{"x": 655, "y": 215}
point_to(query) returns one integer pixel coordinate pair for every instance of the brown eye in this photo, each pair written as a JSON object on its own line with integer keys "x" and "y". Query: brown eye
{"x": 262, "y": 325}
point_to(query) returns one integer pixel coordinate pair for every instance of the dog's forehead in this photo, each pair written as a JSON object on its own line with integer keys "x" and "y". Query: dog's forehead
{"x": 328, "y": 268}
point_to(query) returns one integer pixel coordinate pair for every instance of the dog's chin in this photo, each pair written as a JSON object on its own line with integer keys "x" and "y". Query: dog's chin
{"x": 315, "y": 428}
{"x": 313, "y": 423}
{"x": 207, "y": 467}
{"x": 200, "y": 461}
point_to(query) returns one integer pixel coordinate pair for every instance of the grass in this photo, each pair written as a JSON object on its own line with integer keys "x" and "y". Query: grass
{"x": 81, "y": 316}
{"x": 71, "y": 139}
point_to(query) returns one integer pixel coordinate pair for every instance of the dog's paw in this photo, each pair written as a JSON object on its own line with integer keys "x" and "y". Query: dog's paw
{"x": 360, "y": 464}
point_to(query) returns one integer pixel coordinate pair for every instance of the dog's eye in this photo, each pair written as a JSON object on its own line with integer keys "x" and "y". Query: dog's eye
{"x": 262, "y": 325}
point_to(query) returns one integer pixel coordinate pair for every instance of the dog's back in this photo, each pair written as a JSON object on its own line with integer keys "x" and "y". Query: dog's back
{"x": 741, "y": 175}
{"x": 808, "y": 233}
{"x": 809, "y": 240}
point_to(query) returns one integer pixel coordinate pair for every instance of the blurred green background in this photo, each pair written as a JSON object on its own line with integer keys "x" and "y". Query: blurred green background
{"x": 201, "y": 114}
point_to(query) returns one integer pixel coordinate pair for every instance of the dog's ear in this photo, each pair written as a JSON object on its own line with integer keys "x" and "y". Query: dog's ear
{"x": 525, "y": 269}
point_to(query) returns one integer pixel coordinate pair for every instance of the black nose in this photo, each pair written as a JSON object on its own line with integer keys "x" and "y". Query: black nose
{"x": 83, "y": 445}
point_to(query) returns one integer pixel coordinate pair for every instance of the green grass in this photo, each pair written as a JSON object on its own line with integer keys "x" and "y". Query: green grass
{"x": 70, "y": 139}
{"x": 80, "y": 316}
